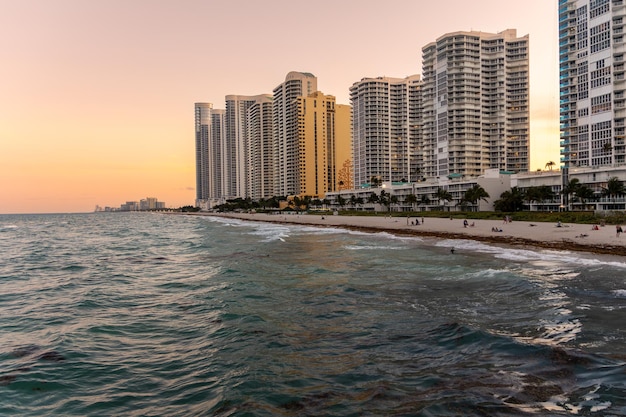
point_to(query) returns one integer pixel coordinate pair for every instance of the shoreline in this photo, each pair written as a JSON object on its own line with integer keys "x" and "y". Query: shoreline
{"x": 572, "y": 237}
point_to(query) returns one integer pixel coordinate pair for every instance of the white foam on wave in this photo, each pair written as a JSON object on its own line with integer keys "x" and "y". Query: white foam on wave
{"x": 539, "y": 257}
{"x": 620, "y": 293}
{"x": 373, "y": 247}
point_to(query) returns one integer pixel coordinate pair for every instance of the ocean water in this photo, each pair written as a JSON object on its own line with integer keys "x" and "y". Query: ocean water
{"x": 136, "y": 314}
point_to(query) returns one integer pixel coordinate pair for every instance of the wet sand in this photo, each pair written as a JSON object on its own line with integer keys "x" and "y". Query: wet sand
{"x": 569, "y": 236}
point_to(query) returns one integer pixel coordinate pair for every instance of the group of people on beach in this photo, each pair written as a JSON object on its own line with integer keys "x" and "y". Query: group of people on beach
{"x": 414, "y": 223}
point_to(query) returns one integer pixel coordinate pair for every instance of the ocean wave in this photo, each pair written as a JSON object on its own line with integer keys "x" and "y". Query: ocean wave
{"x": 545, "y": 257}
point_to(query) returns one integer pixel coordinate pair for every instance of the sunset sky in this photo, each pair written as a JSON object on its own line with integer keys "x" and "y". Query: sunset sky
{"x": 97, "y": 97}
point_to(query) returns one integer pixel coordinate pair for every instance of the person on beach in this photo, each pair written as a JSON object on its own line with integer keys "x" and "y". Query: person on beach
{"x": 465, "y": 223}
{"x": 618, "y": 230}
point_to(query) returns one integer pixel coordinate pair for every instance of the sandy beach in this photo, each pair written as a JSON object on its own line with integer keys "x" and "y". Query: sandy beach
{"x": 577, "y": 237}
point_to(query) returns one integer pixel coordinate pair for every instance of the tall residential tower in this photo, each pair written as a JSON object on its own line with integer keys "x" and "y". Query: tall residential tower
{"x": 237, "y": 155}
{"x": 324, "y": 145}
{"x": 475, "y": 104}
{"x": 385, "y": 129}
{"x": 592, "y": 83}
{"x": 209, "y": 126}
{"x": 285, "y": 128}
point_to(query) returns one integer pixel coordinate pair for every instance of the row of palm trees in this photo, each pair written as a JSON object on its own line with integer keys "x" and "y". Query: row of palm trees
{"x": 515, "y": 199}
{"x": 470, "y": 199}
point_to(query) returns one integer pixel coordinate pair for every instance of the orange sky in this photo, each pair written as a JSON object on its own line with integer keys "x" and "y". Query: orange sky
{"x": 96, "y": 97}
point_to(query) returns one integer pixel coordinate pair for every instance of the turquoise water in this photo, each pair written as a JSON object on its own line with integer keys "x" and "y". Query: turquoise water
{"x": 166, "y": 315}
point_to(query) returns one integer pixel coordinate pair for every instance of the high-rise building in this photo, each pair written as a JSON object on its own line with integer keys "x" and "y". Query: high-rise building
{"x": 260, "y": 141}
{"x": 385, "y": 128}
{"x": 285, "y": 130}
{"x": 236, "y": 157}
{"x": 323, "y": 144}
{"x": 475, "y": 104}
{"x": 592, "y": 83}
{"x": 209, "y": 127}
{"x": 203, "y": 131}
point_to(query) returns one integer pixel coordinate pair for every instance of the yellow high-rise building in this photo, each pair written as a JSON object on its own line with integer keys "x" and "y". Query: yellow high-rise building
{"x": 324, "y": 145}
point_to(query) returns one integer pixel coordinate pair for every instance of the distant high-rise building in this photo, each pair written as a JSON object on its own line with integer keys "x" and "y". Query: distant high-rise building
{"x": 203, "y": 131}
{"x": 323, "y": 143}
{"x": 236, "y": 160}
{"x": 475, "y": 104}
{"x": 385, "y": 129}
{"x": 260, "y": 141}
{"x": 285, "y": 130}
{"x": 209, "y": 127}
{"x": 592, "y": 82}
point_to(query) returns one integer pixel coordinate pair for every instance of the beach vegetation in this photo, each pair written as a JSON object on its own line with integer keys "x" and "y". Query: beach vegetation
{"x": 341, "y": 201}
{"x": 570, "y": 189}
{"x": 614, "y": 188}
{"x": 373, "y": 198}
{"x": 473, "y": 195}
{"x": 510, "y": 201}
{"x": 539, "y": 194}
{"x": 411, "y": 199}
{"x": 443, "y": 196}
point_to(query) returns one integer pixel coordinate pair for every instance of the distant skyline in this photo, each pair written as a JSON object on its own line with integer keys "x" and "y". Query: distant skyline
{"x": 97, "y": 98}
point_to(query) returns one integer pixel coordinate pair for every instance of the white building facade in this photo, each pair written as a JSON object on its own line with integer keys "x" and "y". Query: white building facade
{"x": 260, "y": 142}
{"x": 209, "y": 132}
{"x": 236, "y": 161}
{"x": 385, "y": 129}
{"x": 592, "y": 83}
{"x": 475, "y": 104}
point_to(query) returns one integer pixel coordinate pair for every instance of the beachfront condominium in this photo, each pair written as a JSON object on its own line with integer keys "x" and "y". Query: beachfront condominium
{"x": 285, "y": 129}
{"x": 259, "y": 139}
{"x": 385, "y": 129}
{"x": 324, "y": 162}
{"x": 475, "y": 104}
{"x": 236, "y": 158}
{"x": 209, "y": 128}
{"x": 592, "y": 83}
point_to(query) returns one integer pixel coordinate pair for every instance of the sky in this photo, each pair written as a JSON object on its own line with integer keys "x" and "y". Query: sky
{"x": 97, "y": 97}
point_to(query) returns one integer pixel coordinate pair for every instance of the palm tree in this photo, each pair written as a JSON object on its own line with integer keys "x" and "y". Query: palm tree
{"x": 443, "y": 195}
{"x": 585, "y": 194}
{"x": 570, "y": 189}
{"x": 341, "y": 201}
{"x": 384, "y": 199}
{"x": 411, "y": 199}
{"x": 512, "y": 200}
{"x": 373, "y": 198}
{"x": 531, "y": 194}
{"x": 538, "y": 194}
{"x": 393, "y": 199}
{"x": 614, "y": 188}
{"x": 316, "y": 202}
{"x": 544, "y": 192}
{"x": 424, "y": 200}
{"x": 474, "y": 195}
{"x": 353, "y": 201}
{"x": 550, "y": 165}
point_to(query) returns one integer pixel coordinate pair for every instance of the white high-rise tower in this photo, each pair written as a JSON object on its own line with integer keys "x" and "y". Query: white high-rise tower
{"x": 592, "y": 83}
{"x": 475, "y": 104}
